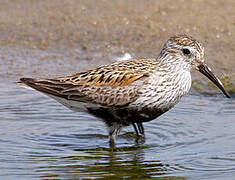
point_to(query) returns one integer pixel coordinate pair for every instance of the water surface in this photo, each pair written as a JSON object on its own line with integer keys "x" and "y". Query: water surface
{"x": 42, "y": 139}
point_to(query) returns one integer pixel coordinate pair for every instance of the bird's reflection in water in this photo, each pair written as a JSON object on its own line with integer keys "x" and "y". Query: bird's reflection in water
{"x": 104, "y": 162}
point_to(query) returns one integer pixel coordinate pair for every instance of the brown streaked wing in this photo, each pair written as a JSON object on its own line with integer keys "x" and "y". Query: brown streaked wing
{"x": 103, "y": 95}
{"x": 49, "y": 86}
{"x": 111, "y": 85}
{"x": 116, "y": 74}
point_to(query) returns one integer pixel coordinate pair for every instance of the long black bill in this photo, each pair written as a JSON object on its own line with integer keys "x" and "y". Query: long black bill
{"x": 204, "y": 69}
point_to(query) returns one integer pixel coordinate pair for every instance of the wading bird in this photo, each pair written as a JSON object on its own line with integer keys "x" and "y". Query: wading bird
{"x": 131, "y": 92}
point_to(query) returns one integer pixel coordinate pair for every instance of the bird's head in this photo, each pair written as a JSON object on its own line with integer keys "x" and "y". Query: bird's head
{"x": 188, "y": 54}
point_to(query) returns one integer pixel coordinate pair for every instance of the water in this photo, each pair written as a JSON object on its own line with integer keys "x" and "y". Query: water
{"x": 44, "y": 140}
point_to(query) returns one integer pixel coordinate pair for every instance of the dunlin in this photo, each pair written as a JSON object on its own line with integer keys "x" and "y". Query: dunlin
{"x": 134, "y": 91}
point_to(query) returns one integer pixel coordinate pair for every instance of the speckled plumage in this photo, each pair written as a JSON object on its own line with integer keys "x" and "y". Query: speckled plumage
{"x": 129, "y": 92}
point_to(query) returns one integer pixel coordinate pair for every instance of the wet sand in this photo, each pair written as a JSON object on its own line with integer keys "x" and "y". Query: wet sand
{"x": 98, "y": 31}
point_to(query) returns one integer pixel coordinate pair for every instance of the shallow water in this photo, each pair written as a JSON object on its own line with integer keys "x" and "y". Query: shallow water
{"x": 42, "y": 139}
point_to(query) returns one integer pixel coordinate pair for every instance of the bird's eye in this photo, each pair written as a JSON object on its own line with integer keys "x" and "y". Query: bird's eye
{"x": 186, "y": 51}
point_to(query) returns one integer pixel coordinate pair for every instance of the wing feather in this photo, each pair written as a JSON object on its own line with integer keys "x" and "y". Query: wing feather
{"x": 116, "y": 74}
{"x": 110, "y": 85}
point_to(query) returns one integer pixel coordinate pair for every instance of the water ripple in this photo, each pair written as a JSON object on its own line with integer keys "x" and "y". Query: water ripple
{"x": 42, "y": 139}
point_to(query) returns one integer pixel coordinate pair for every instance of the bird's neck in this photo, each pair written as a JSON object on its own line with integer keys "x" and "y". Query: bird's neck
{"x": 177, "y": 76}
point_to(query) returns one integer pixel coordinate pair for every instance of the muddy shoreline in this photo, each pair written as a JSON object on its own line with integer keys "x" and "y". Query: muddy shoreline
{"x": 85, "y": 34}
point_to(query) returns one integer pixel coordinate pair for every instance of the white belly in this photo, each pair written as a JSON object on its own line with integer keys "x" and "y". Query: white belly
{"x": 74, "y": 105}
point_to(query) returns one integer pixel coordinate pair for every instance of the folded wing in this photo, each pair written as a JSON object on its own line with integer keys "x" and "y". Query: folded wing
{"x": 113, "y": 85}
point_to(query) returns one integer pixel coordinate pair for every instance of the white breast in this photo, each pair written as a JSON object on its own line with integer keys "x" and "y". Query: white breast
{"x": 163, "y": 91}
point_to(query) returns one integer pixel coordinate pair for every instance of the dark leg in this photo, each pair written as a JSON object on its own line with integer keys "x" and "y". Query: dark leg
{"x": 141, "y": 128}
{"x": 135, "y": 128}
{"x": 114, "y": 129}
